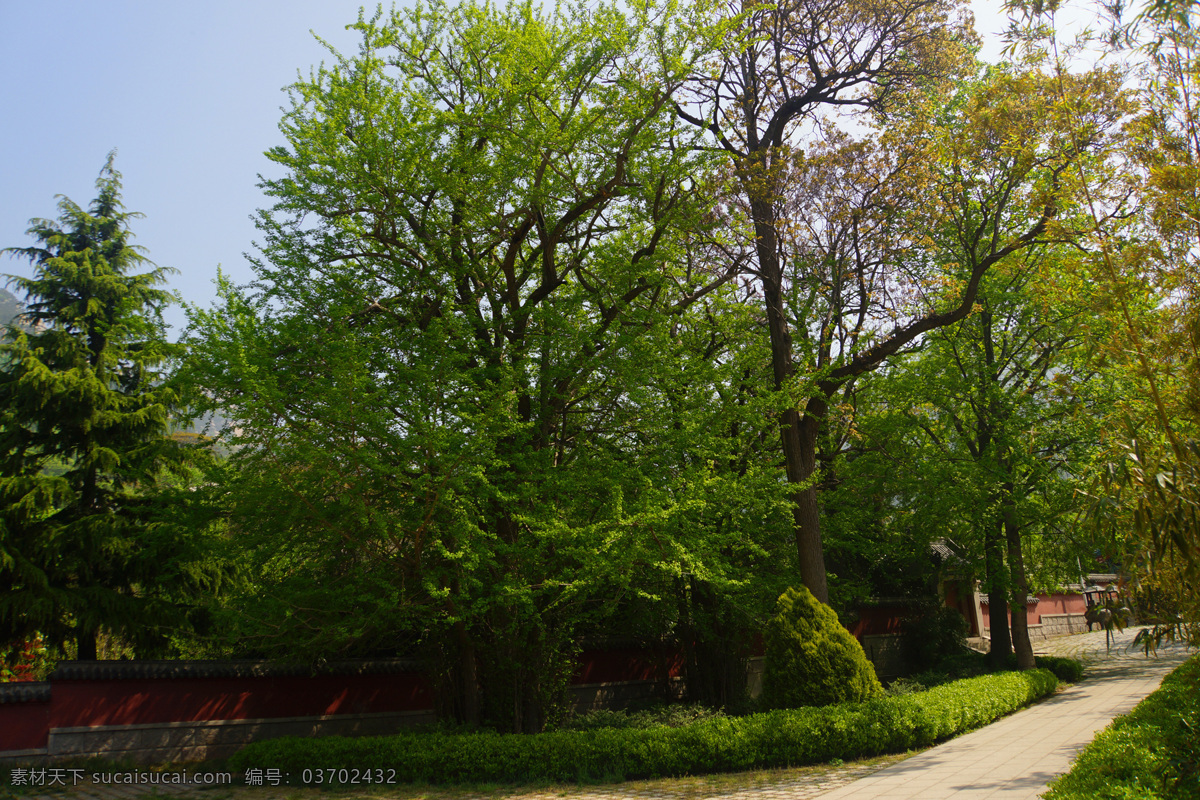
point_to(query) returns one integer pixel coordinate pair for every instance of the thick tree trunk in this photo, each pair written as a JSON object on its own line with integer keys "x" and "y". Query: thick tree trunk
{"x": 86, "y": 641}
{"x": 806, "y": 512}
{"x": 470, "y": 678}
{"x": 798, "y": 434}
{"x": 1020, "y": 588}
{"x": 997, "y": 598}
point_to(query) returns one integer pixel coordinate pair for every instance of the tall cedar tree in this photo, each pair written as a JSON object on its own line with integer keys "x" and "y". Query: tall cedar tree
{"x": 83, "y": 433}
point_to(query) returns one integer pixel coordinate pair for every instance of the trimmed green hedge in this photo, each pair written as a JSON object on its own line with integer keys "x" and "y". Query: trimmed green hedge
{"x": 1067, "y": 670}
{"x": 721, "y": 744}
{"x": 1152, "y": 752}
{"x": 969, "y": 664}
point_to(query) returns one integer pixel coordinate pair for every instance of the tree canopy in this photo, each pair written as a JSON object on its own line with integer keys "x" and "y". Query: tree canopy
{"x": 451, "y": 380}
{"x": 560, "y": 318}
{"x": 618, "y": 321}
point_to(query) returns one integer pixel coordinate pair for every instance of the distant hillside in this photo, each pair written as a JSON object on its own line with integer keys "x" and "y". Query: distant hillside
{"x": 10, "y": 307}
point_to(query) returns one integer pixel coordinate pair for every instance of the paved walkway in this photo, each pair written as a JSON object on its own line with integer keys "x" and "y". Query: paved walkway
{"x": 1012, "y": 759}
{"x": 1018, "y": 756}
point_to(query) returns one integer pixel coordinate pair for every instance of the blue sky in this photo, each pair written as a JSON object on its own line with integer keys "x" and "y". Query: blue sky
{"x": 189, "y": 93}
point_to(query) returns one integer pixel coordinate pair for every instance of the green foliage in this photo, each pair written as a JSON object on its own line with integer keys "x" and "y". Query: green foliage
{"x": 811, "y": 660}
{"x": 671, "y": 716}
{"x": 86, "y": 539}
{"x": 970, "y": 664}
{"x": 28, "y": 660}
{"x": 779, "y": 738}
{"x": 984, "y": 432}
{"x": 967, "y": 664}
{"x": 472, "y": 390}
{"x": 1163, "y": 494}
{"x": 1146, "y": 259}
{"x": 1067, "y": 670}
{"x": 936, "y": 634}
{"x": 903, "y": 686}
{"x": 1151, "y": 752}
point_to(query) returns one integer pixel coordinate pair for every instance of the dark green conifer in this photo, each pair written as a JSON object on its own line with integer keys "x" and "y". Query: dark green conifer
{"x": 84, "y": 424}
{"x": 811, "y": 660}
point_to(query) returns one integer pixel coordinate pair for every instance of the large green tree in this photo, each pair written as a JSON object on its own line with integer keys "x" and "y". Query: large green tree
{"x": 1006, "y": 405}
{"x": 869, "y": 245}
{"x": 993, "y": 400}
{"x": 85, "y": 413}
{"x": 1150, "y": 261}
{"x": 1143, "y": 238}
{"x": 469, "y": 414}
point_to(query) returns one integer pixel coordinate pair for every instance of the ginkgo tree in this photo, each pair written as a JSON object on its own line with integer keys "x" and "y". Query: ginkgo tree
{"x": 483, "y": 270}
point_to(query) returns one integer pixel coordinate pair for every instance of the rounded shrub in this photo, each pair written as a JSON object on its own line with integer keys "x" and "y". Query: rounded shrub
{"x": 811, "y": 660}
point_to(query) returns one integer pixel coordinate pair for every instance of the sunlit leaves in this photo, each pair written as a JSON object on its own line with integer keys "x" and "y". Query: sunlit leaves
{"x": 473, "y": 383}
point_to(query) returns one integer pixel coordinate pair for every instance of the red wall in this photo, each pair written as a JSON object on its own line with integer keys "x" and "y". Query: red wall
{"x": 24, "y": 726}
{"x": 626, "y": 664}
{"x": 1061, "y": 604}
{"x": 881, "y": 619}
{"x": 86, "y": 703}
{"x": 1047, "y": 604}
{"x": 128, "y": 702}
{"x": 133, "y": 701}
{"x": 888, "y": 618}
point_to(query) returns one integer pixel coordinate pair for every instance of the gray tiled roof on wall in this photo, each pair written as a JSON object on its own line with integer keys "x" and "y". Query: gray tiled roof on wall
{"x": 142, "y": 670}
{"x": 25, "y": 692}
